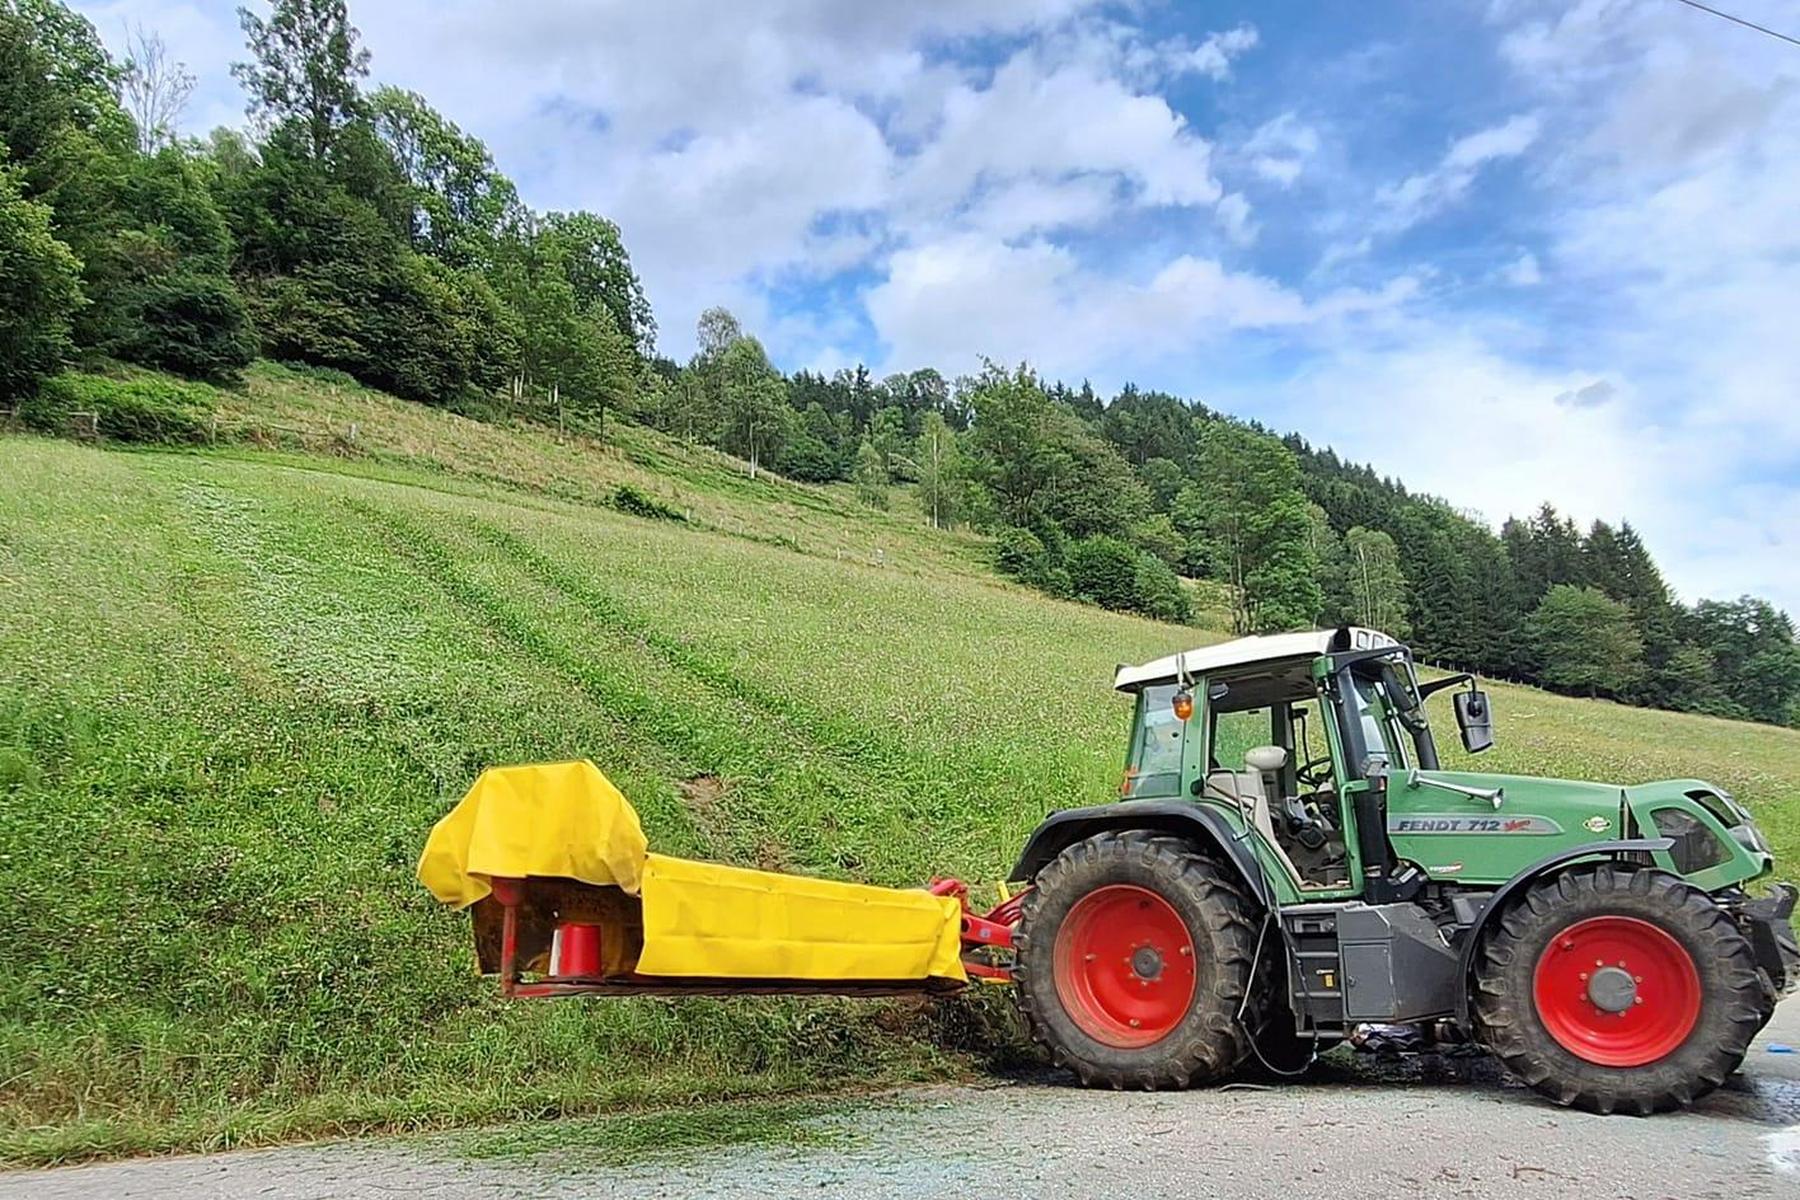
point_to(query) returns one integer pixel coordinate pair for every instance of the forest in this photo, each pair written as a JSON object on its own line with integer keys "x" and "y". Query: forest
{"x": 352, "y": 226}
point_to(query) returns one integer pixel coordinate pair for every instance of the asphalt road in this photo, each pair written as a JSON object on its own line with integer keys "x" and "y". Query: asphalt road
{"x": 1432, "y": 1126}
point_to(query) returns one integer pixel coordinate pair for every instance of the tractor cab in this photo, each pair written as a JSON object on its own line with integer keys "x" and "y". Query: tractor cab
{"x": 1289, "y": 735}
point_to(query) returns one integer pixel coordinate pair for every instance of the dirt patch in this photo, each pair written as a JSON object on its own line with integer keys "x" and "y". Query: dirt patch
{"x": 703, "y": 796}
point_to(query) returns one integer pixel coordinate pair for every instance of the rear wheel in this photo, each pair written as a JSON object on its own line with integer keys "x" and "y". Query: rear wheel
{"x": 1134, "y": 954}
{"x": 1617, "y": 990}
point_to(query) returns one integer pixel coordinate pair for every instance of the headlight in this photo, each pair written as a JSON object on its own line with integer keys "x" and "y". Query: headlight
{"x": 1750, "y": 838}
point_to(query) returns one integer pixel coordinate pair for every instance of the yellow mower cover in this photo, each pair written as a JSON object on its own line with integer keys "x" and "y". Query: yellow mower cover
{"x": 705, "y": 920}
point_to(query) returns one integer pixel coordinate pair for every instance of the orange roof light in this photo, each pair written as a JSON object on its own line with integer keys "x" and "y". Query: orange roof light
{"x": 1183, "y": 704}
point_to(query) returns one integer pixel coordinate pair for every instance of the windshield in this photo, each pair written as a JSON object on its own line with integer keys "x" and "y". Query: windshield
{"x": 1154, "y": 766}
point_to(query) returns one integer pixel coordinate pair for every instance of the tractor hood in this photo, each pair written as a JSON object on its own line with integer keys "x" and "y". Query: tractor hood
{"x": 1463, "y": 838}
{"x": 1455, "y": 836}
{"x": 1573, "y": 796}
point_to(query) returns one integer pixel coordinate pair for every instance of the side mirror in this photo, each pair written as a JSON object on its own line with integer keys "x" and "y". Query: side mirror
{"x": 1475, "y": 718}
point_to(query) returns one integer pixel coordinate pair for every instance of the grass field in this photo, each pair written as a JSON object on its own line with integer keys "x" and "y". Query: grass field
{"x": 238, "y": 686}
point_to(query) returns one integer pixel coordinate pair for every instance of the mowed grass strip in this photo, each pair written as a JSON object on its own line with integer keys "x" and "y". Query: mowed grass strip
{"x": 234, "y": 695}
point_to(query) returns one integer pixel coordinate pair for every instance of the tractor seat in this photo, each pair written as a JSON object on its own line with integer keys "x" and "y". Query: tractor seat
{"x": 1251, "y": 790}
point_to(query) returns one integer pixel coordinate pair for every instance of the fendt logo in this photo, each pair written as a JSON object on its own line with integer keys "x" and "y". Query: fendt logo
{"x": 1452, "y": 823}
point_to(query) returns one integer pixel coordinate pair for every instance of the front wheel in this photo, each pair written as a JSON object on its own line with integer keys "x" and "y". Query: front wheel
{"x": 1617, "y": 990}
{"x": 1134, "y": 954}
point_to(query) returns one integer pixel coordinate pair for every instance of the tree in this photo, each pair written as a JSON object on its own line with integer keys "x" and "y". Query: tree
{"x": 1546, "y": 551}
{"x": 1583, "y": 640}
{"x": 715, "y": 331}
{"x": 304, "y": 68}
{"x": 40, "y": 289}
{"x": 1160, "y": 594}
{"x": 1252, "y": 520}
{"x": 1376, "y": 584}
{"x": 156, "y": 88}
{"x": 1751, "y": 645}
{"x": 869, "y": 476}
{"x": 1149, "y": 425}
{"x": 599, "y": 269}
{"x": 572, "y": 360}
{"x": 461, "y": 205}
{"x": 1038, "y": 462}
{"x": 55, "y": 75}
{"x": 1331, "y": 568}
{"x": 887, "y": 432}
{"x": 157, "y": 267}
{"x": 753, "y": 403}
{"x": 940, "y": 470}
{"x": 329, "y": 281}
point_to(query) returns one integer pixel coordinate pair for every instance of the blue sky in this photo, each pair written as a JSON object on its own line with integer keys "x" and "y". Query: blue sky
{"x": 1508, "y": 250}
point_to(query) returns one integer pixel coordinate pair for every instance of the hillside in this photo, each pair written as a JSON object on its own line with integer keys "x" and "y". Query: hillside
{"x": 237, "y": 686}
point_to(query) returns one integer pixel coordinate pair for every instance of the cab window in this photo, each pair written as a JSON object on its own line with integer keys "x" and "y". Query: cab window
{"x": 1235, "y": 734}
{"x": 1154, "y": 766}
{"x": 1379, "y": 739}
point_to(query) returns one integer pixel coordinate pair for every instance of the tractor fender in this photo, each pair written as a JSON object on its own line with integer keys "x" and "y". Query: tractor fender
{"x": 1471, "y": 940}
{"x": 1060, "y": 830}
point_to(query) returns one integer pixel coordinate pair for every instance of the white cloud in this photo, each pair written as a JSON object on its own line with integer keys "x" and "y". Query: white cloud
{"x": 1523, "y": 271}
{"x": 1234, "y": 217}
{"x": 1034, "y": 120}
{"x": 1423, "y": 195}
{"x": 1279, "y": 150}
{"x": 1036, "y": 205}
{"x": 1213, "y": 56}
{"x": 947, "y": 302}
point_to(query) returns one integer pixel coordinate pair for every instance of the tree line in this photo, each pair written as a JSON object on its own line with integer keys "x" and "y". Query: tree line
{"x": 359, "y": 229}
{"x": 1114, "y": 501}
{"x": 352, "y": 228}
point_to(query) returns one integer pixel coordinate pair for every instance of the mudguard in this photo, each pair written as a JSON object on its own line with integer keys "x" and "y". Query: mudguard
{"x": 1471, "y": 939}
{"x": 1060, "y": 830}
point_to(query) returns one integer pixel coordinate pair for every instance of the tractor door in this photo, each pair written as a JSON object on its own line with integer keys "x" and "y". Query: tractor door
{"x": 1294, "y": 806}
{"x": 1370, "y": 747}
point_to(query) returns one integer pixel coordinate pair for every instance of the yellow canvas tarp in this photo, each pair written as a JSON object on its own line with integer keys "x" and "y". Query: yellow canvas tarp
{"x": 703, "y": 919}
{"x": 553, "y": 820}
{"x": 700, "y": 920}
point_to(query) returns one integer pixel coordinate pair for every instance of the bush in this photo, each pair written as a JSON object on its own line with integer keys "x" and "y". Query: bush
{"x": 194, "y": 325}
{"x": 141, "y": 409}
{"x": 1103, "y": 571}
{"x": 809, "y": 460}
{"x": 1160, "y": 593}
{"x": 1019, "y": 552}
{"x": 630, "y": 500}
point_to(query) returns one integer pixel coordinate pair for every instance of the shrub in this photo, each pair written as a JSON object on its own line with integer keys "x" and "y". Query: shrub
{"x": 138, "y": 409}
{"x": 1103, "y": 571}
{"x": 809, "y": 460}
{"x": 630, "y": 500}
{"x": 193, "y": 325}
{"x": 1159, "y": 591}
{"x": 1019, "y": 552}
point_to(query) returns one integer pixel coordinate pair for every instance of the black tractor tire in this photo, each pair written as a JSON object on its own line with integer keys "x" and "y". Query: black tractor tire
{"x": 1699, "y": 964}
{"x": 1204, "y": 1039}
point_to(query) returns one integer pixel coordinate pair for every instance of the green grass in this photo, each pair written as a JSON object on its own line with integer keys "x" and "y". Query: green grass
{"x": 238, "y": 686}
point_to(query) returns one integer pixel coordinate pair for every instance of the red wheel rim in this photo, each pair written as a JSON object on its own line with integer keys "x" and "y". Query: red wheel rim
{"x": 1617, "y": 991}
{"x": 1124, "y": 966}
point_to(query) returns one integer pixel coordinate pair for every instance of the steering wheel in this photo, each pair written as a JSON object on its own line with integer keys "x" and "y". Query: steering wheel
{"x": 1315, "y": 774}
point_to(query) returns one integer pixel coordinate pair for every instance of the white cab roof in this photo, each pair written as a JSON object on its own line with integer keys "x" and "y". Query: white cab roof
{"x": 1247, "y": 651}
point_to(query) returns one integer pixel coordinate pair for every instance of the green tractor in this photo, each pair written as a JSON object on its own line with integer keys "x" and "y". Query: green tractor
{"x": 1289, "y": 863}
